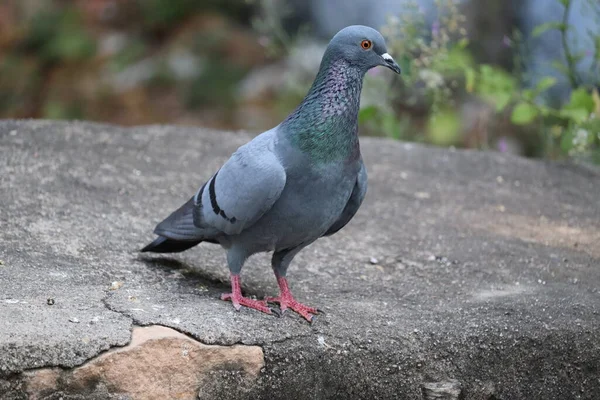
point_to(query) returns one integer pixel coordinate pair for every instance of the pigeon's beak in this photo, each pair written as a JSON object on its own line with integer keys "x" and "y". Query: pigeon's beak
{"x": 388, "y": 61}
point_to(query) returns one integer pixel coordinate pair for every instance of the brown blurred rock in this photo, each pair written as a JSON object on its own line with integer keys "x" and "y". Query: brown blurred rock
{"x": 42, "y": 381}
{"x": 159, "y": 363}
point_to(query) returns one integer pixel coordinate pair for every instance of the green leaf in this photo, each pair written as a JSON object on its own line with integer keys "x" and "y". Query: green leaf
{"x": 539, "y": 29}
{"x": 486, "y": 69}
{"x": 469, "y": 79}
{"x": 72, "y": 45}
{"x": 462, "y": 43}
{"x": 528, "y": 94}
{"x": 524, "y": 113}
{"x": 443, "y": 129}
{"x": 457, "y": 60}
{"x": 566, "y": 141}
{"x": 493, "y": 80}
{"x": 501, "y": 100}
{"x": 581, "y": 99}
{"x": 578, "y": 115}
{"x": 544, "y": 84}
{"x": 495, "y": 85}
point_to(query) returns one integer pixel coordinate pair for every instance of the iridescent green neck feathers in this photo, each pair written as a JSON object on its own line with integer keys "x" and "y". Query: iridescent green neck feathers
{"x": 325, "y": 124}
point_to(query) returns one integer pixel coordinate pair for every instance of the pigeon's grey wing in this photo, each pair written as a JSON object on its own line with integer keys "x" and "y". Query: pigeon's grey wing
{"x": 244, "y": 189}
{"x": 356, "y": 199}
{"x": 180, "y": 224}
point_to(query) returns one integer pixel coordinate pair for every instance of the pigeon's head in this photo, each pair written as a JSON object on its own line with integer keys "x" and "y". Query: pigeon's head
{"x": 363, "y": 47}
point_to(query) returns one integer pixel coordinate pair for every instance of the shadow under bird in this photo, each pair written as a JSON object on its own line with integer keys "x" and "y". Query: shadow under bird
{"x": 291, "y": 185}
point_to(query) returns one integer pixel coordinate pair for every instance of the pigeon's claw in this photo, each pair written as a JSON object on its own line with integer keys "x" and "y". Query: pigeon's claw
{"x": 238, "y": 300}
{"x": 286, "y": 300}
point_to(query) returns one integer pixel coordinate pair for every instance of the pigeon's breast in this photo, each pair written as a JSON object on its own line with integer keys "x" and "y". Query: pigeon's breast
{"x": 312, "y": 200}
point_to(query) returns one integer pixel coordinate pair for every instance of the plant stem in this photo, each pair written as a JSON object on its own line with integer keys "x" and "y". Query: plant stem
{"x": 572, "y": 74}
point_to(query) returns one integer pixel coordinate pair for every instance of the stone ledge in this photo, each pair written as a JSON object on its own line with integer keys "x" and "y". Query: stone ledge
{"x": 469, "y": 274}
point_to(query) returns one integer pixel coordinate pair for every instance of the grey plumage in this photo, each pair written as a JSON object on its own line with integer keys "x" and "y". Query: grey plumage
{"x": 293, "y": 184}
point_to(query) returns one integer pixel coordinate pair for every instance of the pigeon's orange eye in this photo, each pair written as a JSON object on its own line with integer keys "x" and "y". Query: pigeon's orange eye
{"x": 366, "y": 44}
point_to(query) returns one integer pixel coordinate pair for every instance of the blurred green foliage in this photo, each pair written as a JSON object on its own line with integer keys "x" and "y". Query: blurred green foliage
{"x": 133, "y": 51}
{"x": 160, "y": 60}
{"x": 141, "y": 61}
{"x": 569, "y": 128}
{"x": 373, "y": 118}
{"x": 160, "y": 15}
{"x": 54, "y": 109}
{"x": 59, "y": 35}
{"x": 269, "y": 24}
{"x": 19, "y": 79}
{"x": 216, "y": 85}
{"x": 438, "y": 69}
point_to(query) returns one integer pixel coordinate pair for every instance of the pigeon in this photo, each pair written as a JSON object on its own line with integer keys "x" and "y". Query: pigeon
{"x": 291, "y": 185}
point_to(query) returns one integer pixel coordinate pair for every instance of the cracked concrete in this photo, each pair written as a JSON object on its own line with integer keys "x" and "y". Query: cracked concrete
{"x": 470, "y": 272}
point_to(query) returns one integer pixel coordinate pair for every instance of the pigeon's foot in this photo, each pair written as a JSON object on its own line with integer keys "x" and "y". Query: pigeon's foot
{"x": 286, "y": 300}
{"x": 238, "y": 300}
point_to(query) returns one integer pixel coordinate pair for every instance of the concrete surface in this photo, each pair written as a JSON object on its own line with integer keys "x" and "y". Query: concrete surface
{"x": 465, "y": 274}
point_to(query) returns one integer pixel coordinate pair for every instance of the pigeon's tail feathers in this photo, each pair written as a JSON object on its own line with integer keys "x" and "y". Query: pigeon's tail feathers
{"x": 165, "y": 245}
{"x": 178, "y": 232}
{"x": 180, "y": 224}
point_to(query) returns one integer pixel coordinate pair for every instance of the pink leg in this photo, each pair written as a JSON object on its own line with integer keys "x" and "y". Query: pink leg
{"x": 238, "y": 300}
{"x": 286, "y": 300}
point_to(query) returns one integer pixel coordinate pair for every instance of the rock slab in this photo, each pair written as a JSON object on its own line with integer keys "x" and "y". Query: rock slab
{"x": 469, "y": 275}
{"x": 158, "y": 363}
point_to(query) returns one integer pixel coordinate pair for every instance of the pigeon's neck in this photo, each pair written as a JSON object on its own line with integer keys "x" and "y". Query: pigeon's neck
{"x": 325, "y": 124}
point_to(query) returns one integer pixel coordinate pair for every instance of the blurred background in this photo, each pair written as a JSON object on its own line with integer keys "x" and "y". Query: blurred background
{"x": 519, "y": 76}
